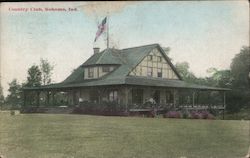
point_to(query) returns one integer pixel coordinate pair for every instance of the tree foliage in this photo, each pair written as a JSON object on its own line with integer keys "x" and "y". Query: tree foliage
{"x": 1, "y": 96}
{"x": 46, "y": 70}
{"x": 240, "y": 68}
{"x": 34, "y": 78}
{"x": 220, "y": 78}
{"x": 237, "y": 78}
{"x": 183, "y": 69}
{"x": 15, "y": 96}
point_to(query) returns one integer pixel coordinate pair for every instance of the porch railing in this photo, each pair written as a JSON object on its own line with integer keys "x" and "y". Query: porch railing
{"x": 202, "y": 106}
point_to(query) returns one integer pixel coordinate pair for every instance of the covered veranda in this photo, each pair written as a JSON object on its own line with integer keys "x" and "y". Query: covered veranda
{"x": 132, "y": 97}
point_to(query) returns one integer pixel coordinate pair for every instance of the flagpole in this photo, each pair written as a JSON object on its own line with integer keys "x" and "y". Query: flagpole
{"x": 108, "y": 30}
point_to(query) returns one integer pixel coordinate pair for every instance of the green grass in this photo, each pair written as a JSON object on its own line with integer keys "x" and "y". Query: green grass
{"x": 68, "y": 136}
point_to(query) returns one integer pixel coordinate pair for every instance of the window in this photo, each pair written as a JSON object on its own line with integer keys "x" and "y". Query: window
{"x": 91, "y": 72}
{"x": 159, "y": 59}
{"x": 150, "y": 57}
{"x": 105, "y": 69}
{"x": 150, "y": 71}
{"x": 113, "y": 95}
{"x": 159, "y": 72}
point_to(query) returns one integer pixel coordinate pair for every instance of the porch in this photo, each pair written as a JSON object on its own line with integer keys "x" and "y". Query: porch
{"x": 131, "y": 98}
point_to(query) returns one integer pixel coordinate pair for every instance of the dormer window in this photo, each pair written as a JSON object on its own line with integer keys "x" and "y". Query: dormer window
{"x": 91, "y": 72}
{"x": 105, "y": 69}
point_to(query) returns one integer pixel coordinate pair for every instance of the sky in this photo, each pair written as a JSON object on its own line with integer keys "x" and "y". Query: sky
{"x": 204, "y": 33}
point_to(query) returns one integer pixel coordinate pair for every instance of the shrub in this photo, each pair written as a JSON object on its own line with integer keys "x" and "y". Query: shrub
{"x": 210, "y": 117}
{"x": 172, "y": 114}
{"x": 195, "y": 115}
{"x": 185, "y": 114}
{"x": 152, "y": 114}
{"x": 204, "y": 114}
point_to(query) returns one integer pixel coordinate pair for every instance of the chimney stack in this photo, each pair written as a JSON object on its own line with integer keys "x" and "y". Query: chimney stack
{"x": 96, "y": 50}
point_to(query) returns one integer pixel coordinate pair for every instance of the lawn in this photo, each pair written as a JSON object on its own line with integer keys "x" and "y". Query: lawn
{"x": 82, "y": 136}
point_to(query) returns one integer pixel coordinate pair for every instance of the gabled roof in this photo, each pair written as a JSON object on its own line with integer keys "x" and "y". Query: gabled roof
{"x": 126, "y": 60}
{"x": 107, "y": 56}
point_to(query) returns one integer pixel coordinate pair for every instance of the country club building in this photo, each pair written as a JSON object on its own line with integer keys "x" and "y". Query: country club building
{"x": 129, "y": 77}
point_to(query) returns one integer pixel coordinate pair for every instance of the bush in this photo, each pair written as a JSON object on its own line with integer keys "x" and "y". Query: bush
{"x": 172, "y": 114}
{"x": 201, "y": 115}
{"x": 210, "y": 117}
{"x": 185, "y": 114}
{"x": 152, "y": 114}
{"x": 195, "y": 115}
{"x": 204, "y": 114}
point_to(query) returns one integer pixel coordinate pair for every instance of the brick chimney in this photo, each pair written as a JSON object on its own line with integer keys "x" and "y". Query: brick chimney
{"x": 96, "y": 50}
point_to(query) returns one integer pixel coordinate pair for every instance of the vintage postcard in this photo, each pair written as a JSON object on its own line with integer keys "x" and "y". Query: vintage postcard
{"x": 128, "y": 79}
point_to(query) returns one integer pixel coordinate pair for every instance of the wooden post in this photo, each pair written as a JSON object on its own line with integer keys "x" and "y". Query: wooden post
{"x": 48, "y": 98}
{"x": 224, "y": 103}
{"x": 53, "y": 97}
{"x": 193, "y": 97}
{"x": 24, "y": 98}
{"x": 99, "y": 91}
{"x": 38, "y": 98}
{"x": 224, "y": 99}
{"x": 126, "y": 98}
{"x": 174, "y": 95}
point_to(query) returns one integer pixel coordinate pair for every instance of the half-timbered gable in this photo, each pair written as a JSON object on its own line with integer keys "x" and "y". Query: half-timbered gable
{"x": 154, "y": 65}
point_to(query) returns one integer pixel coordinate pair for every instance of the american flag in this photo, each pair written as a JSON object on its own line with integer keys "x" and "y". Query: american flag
{"x": 101, "y": 28}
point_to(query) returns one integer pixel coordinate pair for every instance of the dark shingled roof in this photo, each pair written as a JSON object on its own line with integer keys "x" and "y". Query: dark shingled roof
{"x": 126, "y": 60}
{"x": 107, "y": 56}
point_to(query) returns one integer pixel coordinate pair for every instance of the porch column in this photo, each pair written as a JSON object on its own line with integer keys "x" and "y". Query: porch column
{"x": 126, "y": 97}
{"x": 224, "y": 103}
{"x": 24, "y": 98}
{"x": 48, "y": 98}
{"x": 74, "y": 97}
{"x": 224, "y": 100}
{"x": 53, "y": 97}
{"x": 175, "y": 95}
{"x": 193, "y": 98}
{"x": 100, "y": 91}
{"x": 38, "y": 98}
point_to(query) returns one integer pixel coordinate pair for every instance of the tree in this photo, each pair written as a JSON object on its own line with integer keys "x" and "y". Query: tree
{"x": 14, "y": 97}
{"x": 183, "y": 69}
{"x": 240, "y": 68}
{"x": 220, "y": 78}
{"x": 1, "y": 96}
{"x": 46, "y": 70}
{"x": 34, "y": 77}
